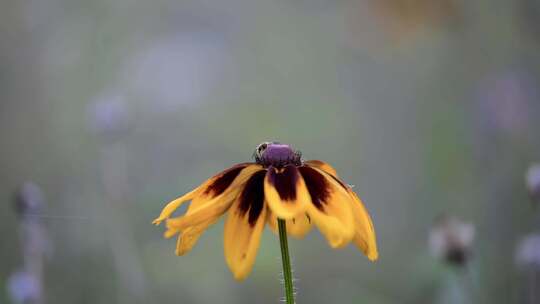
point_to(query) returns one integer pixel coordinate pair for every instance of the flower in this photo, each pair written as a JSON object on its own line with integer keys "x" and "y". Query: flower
{"x": 29, "y": 199}
{"x": 532, "y": 179}
{"x": 451, "y": 240}
{"x": 527, "y": 254}
{"x": 278, "y": 185}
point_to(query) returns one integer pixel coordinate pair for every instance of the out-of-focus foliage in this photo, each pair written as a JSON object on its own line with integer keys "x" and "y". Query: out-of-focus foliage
{"x": 115, "y": 107}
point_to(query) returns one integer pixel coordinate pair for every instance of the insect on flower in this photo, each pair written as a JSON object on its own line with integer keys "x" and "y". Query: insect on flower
{"x": 277, "y": 185}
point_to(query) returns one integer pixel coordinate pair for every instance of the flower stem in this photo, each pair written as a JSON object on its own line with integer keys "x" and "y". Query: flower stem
{"x": 285, "y": 258}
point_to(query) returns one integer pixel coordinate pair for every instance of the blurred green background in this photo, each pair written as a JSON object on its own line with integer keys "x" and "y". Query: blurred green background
{"x": 116, "y": 107}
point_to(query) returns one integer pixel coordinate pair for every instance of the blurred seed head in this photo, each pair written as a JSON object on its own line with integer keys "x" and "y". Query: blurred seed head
{"x": 451, "y": 240}
{"x": 532, "y": 180}
{"x": 29, "y": 199}
{"x": 109, "y": 117}
{"x": 527, "y": 253}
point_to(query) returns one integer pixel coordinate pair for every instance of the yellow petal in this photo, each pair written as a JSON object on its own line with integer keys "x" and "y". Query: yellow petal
{"x": 189, "y": 237}
{"x": 211, "y": 210}
{"x": 285, "y": 192}
{"x": 210, "y": 188}
{"x": 298, "y": 226}
{"x": 175, "y": 204}
{"x": 242, "y": 237}
{"x": 330, "y": 209}
{"x": 207, "y": 207}
{"x": 319, "y": 164}
{"x": 364, "y": 237}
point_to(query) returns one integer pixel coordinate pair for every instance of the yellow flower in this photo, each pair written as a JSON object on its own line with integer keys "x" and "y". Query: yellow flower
{"x": 277, "y": 185}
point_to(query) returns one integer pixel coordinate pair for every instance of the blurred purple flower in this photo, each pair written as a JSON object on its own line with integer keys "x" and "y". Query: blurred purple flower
{"x": 506, "y": 100}
{"x": 109, "y": 117}
{"x": 29, "y": 199}
{"x": 532, "y": 180}
{"x": 23, "y": 287}
{"x": 528, "y": 252}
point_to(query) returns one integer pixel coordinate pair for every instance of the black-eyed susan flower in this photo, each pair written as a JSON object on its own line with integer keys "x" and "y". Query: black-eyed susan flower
{"x": 278, "y": 185}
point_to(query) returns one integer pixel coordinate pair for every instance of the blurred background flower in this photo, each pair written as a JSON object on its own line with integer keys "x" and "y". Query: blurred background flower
{"x": 528, "y": 260}
{"x": 528, "y": 252}
{"x": 451, "y": 240}
{"x": 532, "y": 180}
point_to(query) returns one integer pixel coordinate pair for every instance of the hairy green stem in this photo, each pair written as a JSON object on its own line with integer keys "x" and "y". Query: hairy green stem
{"x": 285, "y": 258}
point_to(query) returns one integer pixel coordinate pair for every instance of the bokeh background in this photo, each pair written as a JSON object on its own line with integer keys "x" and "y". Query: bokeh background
{"x": 113, "y": 108}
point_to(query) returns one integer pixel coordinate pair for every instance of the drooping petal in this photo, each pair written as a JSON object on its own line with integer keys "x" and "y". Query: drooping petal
{"x": 364, "y": 237}
{"x": 189, "y": 237}
{"x": 211, "y": 210}
{"x": 330, "y": 209}
{"x": 195, "y": 205}
{"x": 212, "y": 187}
{"x": 319, "y": 164}
{"x": 209, "y": 207}
{"x": 244, "y": 226}
{"x": 298, "y": 226}
{"x": 175, "y": 204}
{"x": 286, "y": 192}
